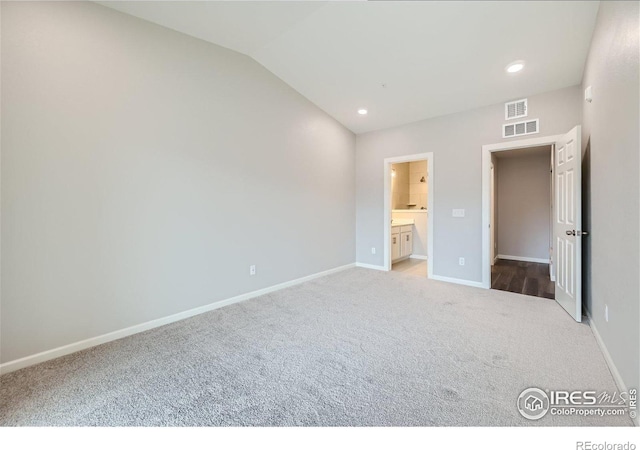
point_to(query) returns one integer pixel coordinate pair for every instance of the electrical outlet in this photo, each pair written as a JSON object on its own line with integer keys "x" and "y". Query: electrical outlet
{"x": 373, "y": 250}
{"x": 606, "y": 313}
{"x": 252, "y": 270}
{"x": 461, "y": 261}
{"x": 588, "y": 94}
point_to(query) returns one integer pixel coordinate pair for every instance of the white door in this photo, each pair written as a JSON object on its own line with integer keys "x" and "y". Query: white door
{"x": 567, "y": 227}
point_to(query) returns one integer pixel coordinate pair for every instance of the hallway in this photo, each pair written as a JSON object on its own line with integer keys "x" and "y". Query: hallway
{"x": 522, "y": 277}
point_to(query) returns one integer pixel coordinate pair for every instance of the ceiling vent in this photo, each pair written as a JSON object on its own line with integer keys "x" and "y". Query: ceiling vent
{"x": 520, "y": 128}
{"x": 515, "y": 110}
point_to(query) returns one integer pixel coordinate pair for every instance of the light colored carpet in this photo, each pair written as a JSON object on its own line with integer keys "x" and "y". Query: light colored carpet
{"x": 359, "y": 347}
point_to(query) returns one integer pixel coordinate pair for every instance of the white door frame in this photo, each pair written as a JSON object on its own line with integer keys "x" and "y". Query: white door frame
{"x": 387, "y": 206}
{"x": 486, "y": 192}
{"x": 492, "y": 213}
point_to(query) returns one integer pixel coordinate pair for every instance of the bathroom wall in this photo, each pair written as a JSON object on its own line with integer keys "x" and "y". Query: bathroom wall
{"x": 399, "y": 185}
{"x": 407, "y": 189}
{"x": 418, "y": 188}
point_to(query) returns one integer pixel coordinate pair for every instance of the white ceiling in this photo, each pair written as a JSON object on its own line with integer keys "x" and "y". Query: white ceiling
{"x": 434, "y": 58}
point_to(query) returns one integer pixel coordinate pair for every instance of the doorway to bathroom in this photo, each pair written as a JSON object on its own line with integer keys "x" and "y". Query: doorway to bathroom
{"x": 408, "y": 218}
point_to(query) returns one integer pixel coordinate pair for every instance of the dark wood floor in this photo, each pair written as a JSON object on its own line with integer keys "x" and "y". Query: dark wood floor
{"x": 522, "y": 277}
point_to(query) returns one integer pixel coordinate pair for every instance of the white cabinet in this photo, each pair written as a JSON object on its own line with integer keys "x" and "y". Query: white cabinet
{"x": 406, "y": 243}
{"x": 395, "y": 246}
{"x": 401, "y": 242}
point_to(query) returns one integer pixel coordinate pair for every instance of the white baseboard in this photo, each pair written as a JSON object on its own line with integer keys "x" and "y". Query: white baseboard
{"x": 524, "y": 258}
{"x": 370, "y": 266}
{"x": 423, "y": 257}
{"x": 607, "y": 357}
{"x": 477, "y": 284}
{"x": 114, "y": 335}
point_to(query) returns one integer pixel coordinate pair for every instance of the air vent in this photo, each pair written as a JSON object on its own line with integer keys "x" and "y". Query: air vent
{"x": 520, "y": 128}
{"x": 515, "y": 110}
{"x": 508, "y": 130}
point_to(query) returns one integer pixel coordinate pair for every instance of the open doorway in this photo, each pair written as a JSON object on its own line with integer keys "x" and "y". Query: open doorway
{"x": 521, "y": 226}
{"x": 566, "y": 217}
{"x": 409, "y": 191}
{"x": 408, "y": 202}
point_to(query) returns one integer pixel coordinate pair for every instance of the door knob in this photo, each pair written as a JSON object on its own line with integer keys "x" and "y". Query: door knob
{"x": 577, "y": 233}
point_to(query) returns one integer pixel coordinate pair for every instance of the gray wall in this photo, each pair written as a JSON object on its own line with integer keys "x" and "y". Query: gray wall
{"x": 143, "y": 171}
{"x": 456, "y": 142}
{"x": 611, "y": 172}
{"x": 524, "y": 205}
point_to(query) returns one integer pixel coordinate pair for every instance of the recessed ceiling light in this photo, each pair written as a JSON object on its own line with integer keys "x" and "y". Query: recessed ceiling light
{"x": 515, "y": 66}
{"x": 362, "y": 112}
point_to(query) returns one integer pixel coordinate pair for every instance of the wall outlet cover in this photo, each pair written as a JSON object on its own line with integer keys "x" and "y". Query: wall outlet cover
{"x": 588, "y": 94}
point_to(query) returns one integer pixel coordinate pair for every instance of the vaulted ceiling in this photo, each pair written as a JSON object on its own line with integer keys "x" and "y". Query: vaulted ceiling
{"x": 402, "y": 61}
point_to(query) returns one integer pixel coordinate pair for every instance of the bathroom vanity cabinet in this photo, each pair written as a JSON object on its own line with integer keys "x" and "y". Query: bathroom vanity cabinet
{"x": 401, "y": 241}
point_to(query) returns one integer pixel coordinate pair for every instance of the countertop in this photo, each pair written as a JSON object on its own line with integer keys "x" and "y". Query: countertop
{"x": 401, "y": 222}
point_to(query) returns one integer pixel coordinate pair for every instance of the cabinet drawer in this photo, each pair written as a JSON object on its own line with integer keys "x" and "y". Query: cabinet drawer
{"x": 406, "y": 228}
